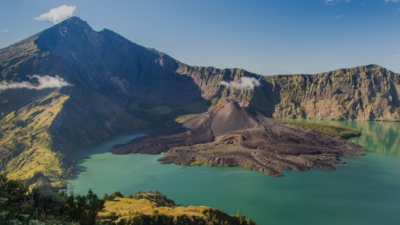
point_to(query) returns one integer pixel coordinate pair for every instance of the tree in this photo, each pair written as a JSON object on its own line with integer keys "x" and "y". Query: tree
{"x": 242, "y": 218}
{"x": 45, "y": 203}
{"x": 82, "y": 209}
{"x": 94, "y": 205}
{"x": 105, "y": 197}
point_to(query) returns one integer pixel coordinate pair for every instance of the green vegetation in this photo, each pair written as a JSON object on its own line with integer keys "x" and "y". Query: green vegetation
{"x": 19, "y": 205}
{"x": 337, "y": 131}
{"x": 154, "y": 196}
{"x": 155, "y": 208}
{"x": 183, "y": 118}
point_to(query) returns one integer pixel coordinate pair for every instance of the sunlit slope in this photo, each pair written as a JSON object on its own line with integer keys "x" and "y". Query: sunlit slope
{"x": 25, "y": 142}
{"x": 38, "y": 140}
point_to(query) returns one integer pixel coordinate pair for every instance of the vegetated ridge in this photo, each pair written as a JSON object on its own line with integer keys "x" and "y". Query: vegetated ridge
{"x": 19, "y": 205}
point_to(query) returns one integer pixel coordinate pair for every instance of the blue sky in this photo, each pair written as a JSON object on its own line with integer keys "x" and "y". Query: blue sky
{"x": 262, "y": 36}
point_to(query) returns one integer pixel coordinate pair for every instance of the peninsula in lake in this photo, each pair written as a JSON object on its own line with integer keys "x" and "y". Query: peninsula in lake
{"x": 85, "y": 87}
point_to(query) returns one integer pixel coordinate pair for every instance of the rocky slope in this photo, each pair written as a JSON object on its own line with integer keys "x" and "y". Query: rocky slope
{"x": 116, "y": 86}
{"x": 237, "y": 134}
{"x": 362, "y": 93}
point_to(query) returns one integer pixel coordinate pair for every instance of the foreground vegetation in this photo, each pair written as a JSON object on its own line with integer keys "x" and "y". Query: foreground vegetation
{"x": 19, "y": 205}
{"x": 333, "y": 130}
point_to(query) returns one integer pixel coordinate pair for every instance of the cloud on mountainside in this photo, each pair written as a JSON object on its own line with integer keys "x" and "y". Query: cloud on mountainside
{"x": 43, "y": 82}
{"x": 56, "y": 15}
{"x": 245, "y": 83}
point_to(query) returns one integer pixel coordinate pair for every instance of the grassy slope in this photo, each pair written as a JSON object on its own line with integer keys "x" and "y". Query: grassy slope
{"x": 124, "y": 207}
{"x": 154, "y": 203}
{"x": 25, "y": 143}
{"x": 337, "y": 131}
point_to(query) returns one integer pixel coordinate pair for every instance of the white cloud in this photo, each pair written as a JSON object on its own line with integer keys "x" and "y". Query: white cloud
{"x": 396, "y": 55}
{"x": 4, "y": 31}
{"x": 58, "y": 14}
{"x": 43, "y": 82}
{"x": 333, "y": 2}
{"x": 245, "y": 83}
{"x": 339, "y": 16}
{"x": 392, "y": 0}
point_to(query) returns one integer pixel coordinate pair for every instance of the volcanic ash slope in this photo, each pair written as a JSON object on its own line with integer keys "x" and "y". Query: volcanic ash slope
{"x": 237, "y": 134}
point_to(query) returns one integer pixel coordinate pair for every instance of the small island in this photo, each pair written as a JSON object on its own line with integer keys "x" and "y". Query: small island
{"x": 235, "y": 133}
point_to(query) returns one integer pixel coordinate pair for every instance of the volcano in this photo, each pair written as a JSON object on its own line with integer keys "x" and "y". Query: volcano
{"x": 116, "y": 86}
{"x": 237, "y": 134}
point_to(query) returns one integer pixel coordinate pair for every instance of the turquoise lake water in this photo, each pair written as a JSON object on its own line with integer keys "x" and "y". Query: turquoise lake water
{"x": 365, "y": 192}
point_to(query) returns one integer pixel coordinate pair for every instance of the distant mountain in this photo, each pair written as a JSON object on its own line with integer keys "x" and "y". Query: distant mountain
{"x": 116, "y": 86}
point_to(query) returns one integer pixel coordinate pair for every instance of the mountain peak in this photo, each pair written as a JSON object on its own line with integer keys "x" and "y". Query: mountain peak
{"x": 74, "y": 22}
{"x": 374, "y": 66}
{"x": 74, "y": 18}
{"x": 68, "y": 36}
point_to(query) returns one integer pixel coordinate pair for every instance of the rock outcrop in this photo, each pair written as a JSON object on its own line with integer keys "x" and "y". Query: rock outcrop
{"x": 362, "y": 93}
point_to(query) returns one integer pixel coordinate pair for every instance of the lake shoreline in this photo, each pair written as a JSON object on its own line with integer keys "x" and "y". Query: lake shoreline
{"x": 350, "y": 194}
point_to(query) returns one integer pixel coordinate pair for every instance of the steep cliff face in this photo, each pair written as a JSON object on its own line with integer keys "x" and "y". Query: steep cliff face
{"x": 362, "y": 93}
{"x": 208, "y": 79}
